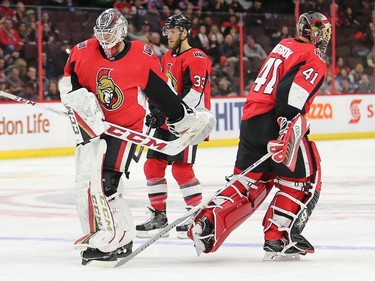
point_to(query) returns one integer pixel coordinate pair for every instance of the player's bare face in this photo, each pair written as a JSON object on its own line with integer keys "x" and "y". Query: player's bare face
{"x": 173, "y": 36}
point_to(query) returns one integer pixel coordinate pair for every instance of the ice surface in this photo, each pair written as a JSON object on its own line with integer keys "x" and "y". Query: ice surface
{"x": 38, "y": 224}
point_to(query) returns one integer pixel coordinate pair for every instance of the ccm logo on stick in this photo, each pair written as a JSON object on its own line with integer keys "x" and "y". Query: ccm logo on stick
{"x": 135, "y": 137}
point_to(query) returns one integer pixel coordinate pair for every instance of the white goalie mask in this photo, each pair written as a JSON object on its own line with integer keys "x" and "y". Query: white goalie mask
{"x": 110, "y": 29}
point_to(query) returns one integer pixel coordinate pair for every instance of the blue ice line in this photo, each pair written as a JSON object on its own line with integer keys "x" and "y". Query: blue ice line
{"x": 189, "y": 243}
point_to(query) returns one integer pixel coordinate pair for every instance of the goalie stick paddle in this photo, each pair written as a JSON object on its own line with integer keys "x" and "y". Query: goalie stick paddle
{"x": 137, "y": 156}
{"x": 190, "y": 213}
{"x": 167, "y": 147}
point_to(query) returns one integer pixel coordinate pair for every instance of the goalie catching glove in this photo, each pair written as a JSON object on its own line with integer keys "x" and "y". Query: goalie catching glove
{"x": 285, "y": 148}
{"x": 191, "y": 116}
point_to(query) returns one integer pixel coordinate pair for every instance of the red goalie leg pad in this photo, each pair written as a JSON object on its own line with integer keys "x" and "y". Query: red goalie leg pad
{"x": 234, "y": 208}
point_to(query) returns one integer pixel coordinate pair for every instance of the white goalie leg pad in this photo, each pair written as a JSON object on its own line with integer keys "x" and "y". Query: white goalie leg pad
{"x": 84, "y": 113}
{"x": 84, "y": 158}
{"x": 113, "y": 225}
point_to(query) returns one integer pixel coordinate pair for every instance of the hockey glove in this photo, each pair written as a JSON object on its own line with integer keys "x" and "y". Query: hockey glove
{"x": 155, "y": 118}
{"x": 180, "y": 126}
{"x": 285, "y": 148}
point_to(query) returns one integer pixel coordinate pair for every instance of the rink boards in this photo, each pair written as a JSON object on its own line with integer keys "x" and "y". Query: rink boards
{"x": 27, "y": 131}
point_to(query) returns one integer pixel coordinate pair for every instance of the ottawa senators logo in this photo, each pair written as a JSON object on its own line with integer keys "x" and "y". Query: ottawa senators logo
{"x": 109, "y": 94}
{"x": 170, "y": 76}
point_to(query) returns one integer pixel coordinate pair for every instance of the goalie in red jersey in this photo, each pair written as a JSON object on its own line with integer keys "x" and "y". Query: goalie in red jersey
{"x": 109, "y": 78}
{"x": 188, "y": 69}
{"x": 273, "y": 122}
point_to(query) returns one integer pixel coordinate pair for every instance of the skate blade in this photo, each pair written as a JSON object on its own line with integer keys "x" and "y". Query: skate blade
{"x": 103, "y": 264}
{"x": 182, "y": 234}
{"x": 198, "y": 244}
{"x": 271, "y": 256}
{"x": 150, "y": 233}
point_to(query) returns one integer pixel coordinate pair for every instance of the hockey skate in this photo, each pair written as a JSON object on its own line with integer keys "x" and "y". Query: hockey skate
{"x": 97, "y": 258}
{"x": 182, "y": 229}
{"x": 203, "y": 233}
{"x": 157, "y": 221}
{"x": 280, "y": 249}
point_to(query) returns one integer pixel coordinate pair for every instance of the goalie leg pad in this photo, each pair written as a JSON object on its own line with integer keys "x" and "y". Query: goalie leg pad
{"x": 291, "y": 209}
{"x": 112, "y": 215}
{"x": 231, "y": 207}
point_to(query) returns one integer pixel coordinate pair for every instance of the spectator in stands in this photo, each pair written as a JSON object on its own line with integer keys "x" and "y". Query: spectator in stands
{"x": 48, "y": 35}
{"x": 225, "y": 89}
{"x": 22, "y": 32}
{"x": 280, "y": 34}
{"x": 122, "y": 5}
{"x": 345, "y": 87}
{"x": 217, "y": 6}
{"x": 256, "y": 16}
{"x": 370, "y": 61}
{"x": 6, "y": 10}
{"x": 237, "y": 6}
{"x": 30, "y": 17}
{"x": 11, "y": 58}
{"x": 20, "y": 13}
{"x": 159, "y": 48}
{"x": 70, "y": 4}
{"x": 2, "y": 67}
{"x": 230, "y": 50}
{"x": 202, "y": 39}
{"x": 144, "y": 34}
{"x": 348, "y": 18}
{"x": 49, "y": 67}
{"x": 14, "y": 82}
{"x": 31, "y": 79}
{"x": 223, "y": 69}
{"x": 3, "y": 87}
{"x": 233, "y": 27}
{"x": 253, "y": 51}
{"x": 340, "y": 64}
{"x": 10, "y": 40}
{"x": 356, "y": 73}
{"x": 30, "y": 92}
{"x": 364, "y": 85}
{"x": 59, "y": 60}
{"x": 152, "y": 15}
{"x": 32, "y": 31}
{"x": 53, "y": 92}
{"x": 46, "y": 19}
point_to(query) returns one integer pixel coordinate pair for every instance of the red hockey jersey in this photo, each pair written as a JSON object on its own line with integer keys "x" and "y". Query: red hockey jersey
{"x": 288, "y": 80}
{"x": 118, "y": 83}
{"x": 189, "y": 73}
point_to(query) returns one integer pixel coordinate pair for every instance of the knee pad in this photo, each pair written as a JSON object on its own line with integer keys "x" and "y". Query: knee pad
{"x": 155, "y": 168}
{"x": 110, "y": 181}
{"x": 290, "y": 209}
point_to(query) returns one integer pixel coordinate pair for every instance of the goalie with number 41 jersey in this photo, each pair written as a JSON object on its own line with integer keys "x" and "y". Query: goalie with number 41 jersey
{"x": 273, "y": 122}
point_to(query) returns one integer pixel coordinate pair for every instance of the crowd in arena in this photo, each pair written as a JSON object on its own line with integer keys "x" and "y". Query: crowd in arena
{"x": 216, "y": 30}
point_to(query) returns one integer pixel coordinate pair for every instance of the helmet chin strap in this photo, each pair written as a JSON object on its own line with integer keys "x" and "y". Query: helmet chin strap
{"x": 111, "y": 52}
{"x": 178, "y": 49}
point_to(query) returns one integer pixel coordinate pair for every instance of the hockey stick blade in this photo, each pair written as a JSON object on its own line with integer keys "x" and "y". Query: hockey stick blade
{"x": 166, "y": 147}
{"x": 157, "y": 236}
{"x": 191, "y": 212}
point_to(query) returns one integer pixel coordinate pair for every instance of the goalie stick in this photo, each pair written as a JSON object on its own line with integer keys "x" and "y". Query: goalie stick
{"x": 188, "y": 214}
{"x": 138, "y": 155}
{"x": 167, "y": 147}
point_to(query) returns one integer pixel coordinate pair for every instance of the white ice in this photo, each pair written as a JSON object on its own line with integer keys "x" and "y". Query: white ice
{"x": 38, "y": 224}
